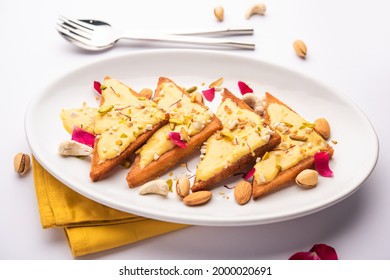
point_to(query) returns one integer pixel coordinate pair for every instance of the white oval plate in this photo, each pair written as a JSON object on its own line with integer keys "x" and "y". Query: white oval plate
{"x": 355, "y": 154}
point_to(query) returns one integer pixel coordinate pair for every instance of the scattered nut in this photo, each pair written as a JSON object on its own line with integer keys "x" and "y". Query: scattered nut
{"x": 156, "y": 187}
{"x": 216, "y": 83}
{"x": 21, "y": 163}
{"x": 243, "y": 192}
{"x": 146, "y": 92}
{"x": 253, "y": 101}
{"x": 73, "y": 148}
{"x": 105, "y": 109}
{"x": 191, "y": 89}
{"x": 322, "y": 127}
{"x": 250, "y": 99}
{"x": 126, "y": 164}
{"x": 219, "y": 13}
{"x": 197, "y": 198}
{"x": 184, "y": 134}
{"x": 258, "y": 9}
{"x": 307, "y": 178}
{"x": 183, "y": 187}
{"x": 300, "y": 48}
{"x": 296, "y": 137}
{"x": 197, "y": 97}
{"x": 259, "y": 108}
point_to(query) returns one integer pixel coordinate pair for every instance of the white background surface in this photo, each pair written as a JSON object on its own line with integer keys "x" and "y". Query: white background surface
{"x": 348, "y": 49}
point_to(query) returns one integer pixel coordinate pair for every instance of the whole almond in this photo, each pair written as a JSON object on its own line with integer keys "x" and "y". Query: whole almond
{"x": 243, "y": 192}
{"x": 146, "y": 92}
{"x": 183, "y": 187}
{"x": 219, "y": 13}
{"x": 300, "y": 48}
{"x": 197, "y": 198}
{"x": 322, "y": 127}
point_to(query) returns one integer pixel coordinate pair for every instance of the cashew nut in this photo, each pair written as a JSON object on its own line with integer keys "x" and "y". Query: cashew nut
{"x": 253, "y": 101}
{"x": 73, "y": 148}
{"x": 156, "y": 186}
{"x": 258, "y": 9}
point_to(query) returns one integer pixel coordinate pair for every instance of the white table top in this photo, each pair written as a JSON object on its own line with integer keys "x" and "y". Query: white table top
{"x": 348, "y": 49}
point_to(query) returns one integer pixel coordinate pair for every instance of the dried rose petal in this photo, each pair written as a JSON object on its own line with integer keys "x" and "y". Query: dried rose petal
{"x": 249, "y": 174}
{"x": 317, "y": 252}
{"x": 83, "y": 137}
{"x": 244, "y": 88}
{"x": 325, "y": 252}
{"x": 176, "y": 139}
{"x": 209, "y": 94}
{"x": 321, "y": 161}
{"x": 97, "y": 87}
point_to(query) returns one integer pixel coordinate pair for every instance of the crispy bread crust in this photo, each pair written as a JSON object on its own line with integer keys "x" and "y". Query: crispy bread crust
{"x": 242, "y": 163}
{"x": 162, "y": 81}
{"x": 286, "y": 177}
{"x": 138, "y": 176}
{"x": 101, "y": 169}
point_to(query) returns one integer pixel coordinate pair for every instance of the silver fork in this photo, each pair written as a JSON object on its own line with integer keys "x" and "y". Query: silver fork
{"x": 95, "y": 35}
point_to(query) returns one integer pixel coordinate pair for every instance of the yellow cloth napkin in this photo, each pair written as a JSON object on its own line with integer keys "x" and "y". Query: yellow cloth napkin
{"x": 89, "y": 226}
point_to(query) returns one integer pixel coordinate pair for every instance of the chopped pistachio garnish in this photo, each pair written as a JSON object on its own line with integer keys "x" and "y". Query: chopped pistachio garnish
{"x": 216, "y": 83}
{"x": 307, "y": 125}
{"x": 266, "y": 156}
{"x": 169, "y": 183}
{"x": 191, "y": 89}
{"x": 175, "y": 121}
{"x": 227, "y": 134}
{"x": 105, "y": 109}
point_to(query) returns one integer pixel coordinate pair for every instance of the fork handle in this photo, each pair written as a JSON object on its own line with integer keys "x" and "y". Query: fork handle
{"x": 190, "y": 40}
{"x": 215, "y": 32}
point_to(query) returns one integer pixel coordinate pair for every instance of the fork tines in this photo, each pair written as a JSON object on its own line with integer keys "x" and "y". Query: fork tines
{"x": 75, "y": 29}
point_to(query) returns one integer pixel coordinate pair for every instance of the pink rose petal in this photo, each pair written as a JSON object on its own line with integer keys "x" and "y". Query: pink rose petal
{"x": 83, "y": 137}
{"x": 244, "y": 88}
{"x": 325, "y": 252}
{"x": 249, "y": 174}
{"x": 176, "y": 139}
{"x": 305, "y": 256}
{"x": 317, "y": 252}
{"x": 97, "y": 87}
{"x": 321, "y": 161}
{"x": 209, "y": 94}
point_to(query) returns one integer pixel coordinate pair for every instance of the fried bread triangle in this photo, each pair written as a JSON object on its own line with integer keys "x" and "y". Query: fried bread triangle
{"x": 190, "y": 121}
{"x": 279, "y": 167}
{"x": 245, "y": 137}
{"x": 123, "y": 123}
